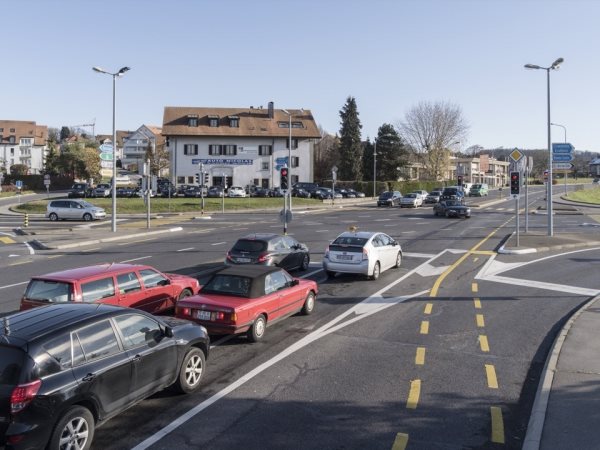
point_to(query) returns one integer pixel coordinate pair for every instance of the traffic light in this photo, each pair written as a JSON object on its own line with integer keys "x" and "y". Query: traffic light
{"x": 283, "y": 179}
{"x": 206, "y": 178}
{"x": 460, "y": 180}
{"x": 197, "y": 177}
{"x": 515, "y": 182}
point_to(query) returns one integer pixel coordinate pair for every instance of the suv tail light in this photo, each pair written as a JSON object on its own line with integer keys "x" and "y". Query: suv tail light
{"x": 263, "y": 257}
{"x": 23, "y": 394}
{"x": 228, "y": 256}
{"x": 327, "y": 252}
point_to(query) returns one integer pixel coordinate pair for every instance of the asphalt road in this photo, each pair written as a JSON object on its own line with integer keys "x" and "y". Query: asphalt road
{"x": 444, "y": 352}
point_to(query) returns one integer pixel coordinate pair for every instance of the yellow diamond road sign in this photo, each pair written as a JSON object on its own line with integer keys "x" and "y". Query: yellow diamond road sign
{"x": 516, "y": 155}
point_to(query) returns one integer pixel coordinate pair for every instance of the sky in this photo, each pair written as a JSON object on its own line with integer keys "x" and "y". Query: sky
{"x": 311, "y": 54}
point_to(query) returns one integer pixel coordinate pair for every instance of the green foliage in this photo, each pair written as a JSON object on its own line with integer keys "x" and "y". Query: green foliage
{"x": 65, "y": 132}
{"x": 79, "y": 162}
{"x": 19, "y": 169}
{"x": 350, "y": 149}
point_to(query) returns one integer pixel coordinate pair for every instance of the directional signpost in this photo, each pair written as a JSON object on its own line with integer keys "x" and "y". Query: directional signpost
{"x": 107, "y": 158}
{"x": 562, "y": 154}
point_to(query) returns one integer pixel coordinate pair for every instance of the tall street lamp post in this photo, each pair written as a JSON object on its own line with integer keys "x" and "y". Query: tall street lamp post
{"x": 554, "y": 66}
{"x": 374, "y": 168}
{"x": 114, "y": 76}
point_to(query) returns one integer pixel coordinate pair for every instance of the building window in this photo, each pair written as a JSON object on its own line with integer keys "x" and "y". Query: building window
{"x": 180, "y": 180}
{"x": 283, "y": 124}
{"x": 26, "y": 141}
{"x": 12, "y": 130}
{"x": 214, "y": 149}
{"x": 1, "y": 130}
{"x": 190, "y": 149}
{"x": 234, "y": 121}
{"x": 295, "y": 179}
{"x": 297, "y": 125}
{"x": 265, "y": 150}
{"x": 265, "y": 165}
{"x": 11, "y": 139}
{"x": 12, "y": 152}
{"x": 230, "y": 150}
{"x": 295, "y": 161}
{"x": 190, "y": 180}
{"x": 294, "y": 143}
{"x": 192, "y": 121}
{"x": 213, "y": 121}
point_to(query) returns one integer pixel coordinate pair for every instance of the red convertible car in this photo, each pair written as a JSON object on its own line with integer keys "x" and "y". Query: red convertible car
{"x": 247, "y": 298}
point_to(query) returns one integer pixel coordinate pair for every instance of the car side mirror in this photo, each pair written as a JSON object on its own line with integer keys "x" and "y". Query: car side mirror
{"x": 164, "y": 282}
{"x": 295, "y": 282}
{"x": 168, "y": 332}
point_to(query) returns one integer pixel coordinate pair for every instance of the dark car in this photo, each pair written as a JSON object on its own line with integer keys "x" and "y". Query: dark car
{"x": 261, "y": 192}
{"x": 80, "y": 190}
{"x": 357, "y": 194}
{"x": 300, "y": 192}
{"x": 269, "y": 249}
{"x": 452, "y": 193}
{"x": 277, "y": 192}
{"x": 389, "y": 198}
{"x": 322, "y": 193}
{"x": 433, "y": 197}
{"x": 451, "y": 208}
{"x": 196, "y": 192}
{"x": 126, "y": 192}
{"x": 67, "y": 368}
{"x": 215, "y": 192}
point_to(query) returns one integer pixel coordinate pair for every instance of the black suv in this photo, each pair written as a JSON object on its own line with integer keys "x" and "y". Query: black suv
{"x": 64, "y": 369}
{"x": 82, "y": 190}
{"x": 269, "y": 249}
{"x": 389, "y": 198}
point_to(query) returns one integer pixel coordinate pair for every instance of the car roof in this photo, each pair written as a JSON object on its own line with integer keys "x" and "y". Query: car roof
{"x": 90, "y": 271}
{"x": 31, "y": 324}
{"x": 255, "y": 272}
{"x": 359, "y": 234}
{"x": 260, "y": 236}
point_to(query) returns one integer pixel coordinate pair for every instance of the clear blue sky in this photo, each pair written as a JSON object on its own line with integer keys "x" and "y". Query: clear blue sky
{"x": 389, "y": 55}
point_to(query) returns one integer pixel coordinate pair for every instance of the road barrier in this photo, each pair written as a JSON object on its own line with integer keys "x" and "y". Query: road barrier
{"x": 26, "y": 220}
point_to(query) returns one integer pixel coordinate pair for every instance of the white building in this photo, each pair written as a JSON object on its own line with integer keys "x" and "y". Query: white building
{"x": 135, "y": 145}
{"x": 239, "y": 146}
{"x": 23, "y": 142}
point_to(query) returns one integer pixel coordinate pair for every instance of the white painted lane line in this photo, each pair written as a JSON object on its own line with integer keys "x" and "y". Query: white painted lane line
{"x": 13, "y": 285}
{"x": 219, "y": 243}
{"x": 185, "y": 249}
{"x": 136, "y": 259}
{"x": 408, "y": 232}
{"x": 240, "y": 229}
{"x": 418, "y": 255}
{"x": 382, "y": 220}
{"x": 321, "y": 231}
{"x": 31, "y": 251}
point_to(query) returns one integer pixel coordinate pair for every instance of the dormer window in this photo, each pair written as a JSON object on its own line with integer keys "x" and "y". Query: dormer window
{"x": 192, "y": 120}
{"x": 234, "y": 121}
{"x": 213, "y": 121}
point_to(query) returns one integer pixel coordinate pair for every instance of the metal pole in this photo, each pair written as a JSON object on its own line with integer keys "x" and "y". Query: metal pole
{"x": 290, "y": 161}
{"x": 148, "y": 192}
{"x": 285, "y": 214}
{"x": 550, "y": 177}
{"x": 517, "y": 216}
{"x": 375, "y": 169}
{"x": 527, "y": 195}
{"x": 224, "y": 187}
{"x": 202, "y": 188}
{"x": 114, "y": 161}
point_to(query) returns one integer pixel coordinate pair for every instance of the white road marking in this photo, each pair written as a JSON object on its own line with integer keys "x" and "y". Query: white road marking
{"x": 408, "y": 232}
{"x": 382, "y": 220}
{"x": 31, "y": 251}
{"x": 321, "y": 231}
{"x": 219, "y": 243}
{"x": 13, "y": 285}
{"x": 136, "y": 259}
{"x": 419, "y": 255}
{"x": 427, "y": 270}
{"x": 185, "y": 249}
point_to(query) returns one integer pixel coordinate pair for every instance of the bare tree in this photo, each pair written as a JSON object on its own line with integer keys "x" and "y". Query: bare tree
{"x": 431, "y": 129}
{"x": 159, "y": 158}
{"x": 326, "y": 155}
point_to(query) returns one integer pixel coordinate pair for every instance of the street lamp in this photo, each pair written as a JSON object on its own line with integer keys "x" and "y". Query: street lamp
{"x": 564, "y": 129}
{"x": 554, "y": 66}
{"x": 114, "y": 76}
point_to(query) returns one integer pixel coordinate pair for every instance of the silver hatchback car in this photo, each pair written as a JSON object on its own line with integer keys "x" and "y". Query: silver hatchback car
{"x": 362, "y": 252}
{"x": 73, "y": 209}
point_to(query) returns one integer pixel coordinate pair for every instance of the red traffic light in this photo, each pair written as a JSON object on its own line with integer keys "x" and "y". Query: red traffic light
{"x": 284, "y": 172}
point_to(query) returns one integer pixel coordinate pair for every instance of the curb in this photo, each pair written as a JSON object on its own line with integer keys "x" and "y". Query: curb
{"x": 522, "y": 251}
{"x": 535, "y": 427}
{"x": 40, "y": 245}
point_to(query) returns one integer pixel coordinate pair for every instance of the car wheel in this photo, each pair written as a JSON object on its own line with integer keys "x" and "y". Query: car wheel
{"x": 53, "y": 217}
{"x": 309, "y": 304}
{"x": 185, "y": 293}
{"x": 398, "y": 260}
{"x": 305, "y": 262}
{"x": 191, "y": 371}
{"x": 330, "y": 274}
{"x": 376, "y": 271}
{"x": 87, "y": 217}
{"x": 75, "y": 429}
{"x": 257, "y": 330}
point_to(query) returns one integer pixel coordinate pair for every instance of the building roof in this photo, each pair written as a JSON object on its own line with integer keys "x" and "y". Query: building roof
{"x": 253, "y": 122}
{"x": 23, "y": 129}
{"x": 121, "y": 134}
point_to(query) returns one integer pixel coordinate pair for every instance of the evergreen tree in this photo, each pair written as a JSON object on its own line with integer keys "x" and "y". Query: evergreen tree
{"x": 51, "y": 165}
{"x": 351, "y": 151}
{"x": 391, "y": 153}
{"x": 65, "y": 132}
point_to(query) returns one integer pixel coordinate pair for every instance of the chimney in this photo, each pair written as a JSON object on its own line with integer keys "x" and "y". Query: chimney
{"x": 271, "y": 110}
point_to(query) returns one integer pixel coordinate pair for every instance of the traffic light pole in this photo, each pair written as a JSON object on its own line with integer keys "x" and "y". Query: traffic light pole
{"x": 517, "y": 216}
{"x": 285, "y": 215}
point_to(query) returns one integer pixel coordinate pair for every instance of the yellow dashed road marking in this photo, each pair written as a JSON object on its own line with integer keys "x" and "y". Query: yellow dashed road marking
{"x": 428, "y": 308}
{"x": 477, "y": 303}
{"x": 475, "y": 259}
{"x": 474, "y": 287}
{"x": 19, "y": 263}
{"x": 497, "y": 425}
{"x": 400, "y": 441}
{"x": 490, "y": 372}
{"x": 425, "y": 327}
{"x": 420, "y": 356}
{"x": 413, "y": 395}
{"x": 483, "y": 343}
{"x": 479, "y": 320}
{"x": 7, "y": 240}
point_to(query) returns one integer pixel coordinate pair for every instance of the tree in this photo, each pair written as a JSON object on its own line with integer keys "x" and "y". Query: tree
{"x": 350, "y": 149}
{"x": 391, "y": 153}
{"x": 431, "y": 129}
{"x": 51, "y": 165}
{"x": 326, "y": 155}
{"x": 19, "y": 169}
{"x": 159, "y": 158}
{"x": 65, "y": 132}
{"x": 80, "y": 162}
{"x": 53, "y": 135}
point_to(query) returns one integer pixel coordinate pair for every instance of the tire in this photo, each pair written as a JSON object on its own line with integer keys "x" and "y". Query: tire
{"x": 257, "y": 330}
{"x": 309, "y": 304}
{"x": 330, "y": 274}
{"x": 305, "y": 262}
{"x": 87, "y": 217}
{"x": 376, "y": 271}
{"x": 53, "y": 217}
{"x": 191, "y": 371}
{"x": 76, "y": 424}
{"x": 398, "y": 260}
{"x": 185, "y": 293}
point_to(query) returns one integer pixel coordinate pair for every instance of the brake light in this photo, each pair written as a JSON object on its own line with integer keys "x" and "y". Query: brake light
{"x": 327, "y": 252}
{"x": 228, "y": 256}
{"x": 365, "y": 254}
{"x": 264, "y": 257}
{"x": 184, "y": 311}
{"x": 219, "y": 315}
{"x": 23, "y": 394}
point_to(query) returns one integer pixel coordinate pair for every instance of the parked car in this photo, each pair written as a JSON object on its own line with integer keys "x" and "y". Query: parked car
{"x": 322, "y": 193}
{"x": 102, "y": 190}
{"x": 80, "y": 190}
{"x": 433, "y": 197}
{"x": 452, "y": 193}
{"x": 67, "y": 368}
{"x": 276, "y": 192}
{"x": 215, "y": 192}
{"x": 196, "y": 191}
{"x": 261, "y": 192}
{"x": 423, "y": 193}
{"x": 452, "y": 208}
{"x": 356, "y": 193}
{"x": 300, "y": 192}
{"x": 389, "y": 198}
{"x": 131, "y": 285}
{"x": 73, "y": 209}
{"x": 236, "y": 191}
{"x": 126, "y": 192}
{"x": 247, "y": 299}
{"x": 479, "y": 190}
{"x": 362, "y": 252}
{"x": 412, "y": 200}
{"x": 269, "y": 249}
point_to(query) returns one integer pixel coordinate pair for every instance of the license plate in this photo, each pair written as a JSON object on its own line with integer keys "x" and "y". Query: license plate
{"x": 244, "y": 260}
{"x": 203, "y": 315}
{"x": 345, "y": 257}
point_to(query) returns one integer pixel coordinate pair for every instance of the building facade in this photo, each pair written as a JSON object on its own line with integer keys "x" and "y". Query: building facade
{"x": 481, "y": 169}
{"x": 239, "y": 146}
{"x": 136, "y": 144}
{"x": 23, "y": 142}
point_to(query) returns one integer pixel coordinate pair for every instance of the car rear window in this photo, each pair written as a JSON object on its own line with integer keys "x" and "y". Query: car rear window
{"x": 228, "y": 285}
{"x": 385, "y": 195}
{"x": 348, "y": 244}
{"x": 249, "y": 245}
{"x": 49, "y": 291}
{"x": 11, "y": 361}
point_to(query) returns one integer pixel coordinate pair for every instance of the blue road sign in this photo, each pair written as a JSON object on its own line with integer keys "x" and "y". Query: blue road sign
{"x": 562, "y": 157}
{"x": 281, "y": 161}
{"x": 562, "y": 148}
{"x": 19, "y": 184}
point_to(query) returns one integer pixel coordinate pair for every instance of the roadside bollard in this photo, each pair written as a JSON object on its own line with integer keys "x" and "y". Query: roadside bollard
{"x": 26, "y": 220}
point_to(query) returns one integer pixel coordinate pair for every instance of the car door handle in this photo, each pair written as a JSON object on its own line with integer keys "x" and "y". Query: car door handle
{"x": 137, "y": 358}
{"x": 88, "y": 377}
